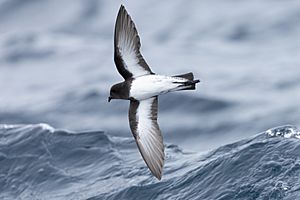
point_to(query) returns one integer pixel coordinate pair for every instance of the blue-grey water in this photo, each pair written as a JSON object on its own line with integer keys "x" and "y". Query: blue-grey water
{"x": 61, "y": 139}
{"x": 40, "y": 162}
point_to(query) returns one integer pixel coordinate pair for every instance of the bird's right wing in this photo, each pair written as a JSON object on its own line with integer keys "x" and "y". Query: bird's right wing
{"x": 143, "y": 124}
{"x": 128, "y": 59}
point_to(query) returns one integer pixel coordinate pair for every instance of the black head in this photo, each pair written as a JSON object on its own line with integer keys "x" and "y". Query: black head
{"x": 119, "y": 91}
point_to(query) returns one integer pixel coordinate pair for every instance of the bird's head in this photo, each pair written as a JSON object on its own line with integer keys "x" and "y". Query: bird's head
{"x": 118, "y": 91}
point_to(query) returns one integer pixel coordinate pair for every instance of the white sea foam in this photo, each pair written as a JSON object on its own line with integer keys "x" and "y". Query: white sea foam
{"x": 284, "y": 131}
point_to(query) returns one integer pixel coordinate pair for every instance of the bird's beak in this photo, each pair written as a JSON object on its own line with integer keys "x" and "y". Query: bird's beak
{"x": 109, "y": 99}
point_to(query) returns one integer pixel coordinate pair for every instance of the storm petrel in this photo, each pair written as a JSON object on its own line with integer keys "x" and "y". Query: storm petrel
{"x": 142, "y": 87}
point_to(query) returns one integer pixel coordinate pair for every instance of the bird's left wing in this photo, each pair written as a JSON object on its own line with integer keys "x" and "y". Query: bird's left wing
{"x": 143, "y": 124}
{"x": 128, "y": 59}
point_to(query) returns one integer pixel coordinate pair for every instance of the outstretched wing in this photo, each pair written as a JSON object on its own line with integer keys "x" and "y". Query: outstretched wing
{"x": 143, "y": 124}
{"x": 128, "y": 59}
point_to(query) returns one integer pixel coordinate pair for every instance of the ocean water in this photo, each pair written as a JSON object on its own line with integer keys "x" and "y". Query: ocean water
{"x": 40, "y": 162}
{"x": 61, "y": 139}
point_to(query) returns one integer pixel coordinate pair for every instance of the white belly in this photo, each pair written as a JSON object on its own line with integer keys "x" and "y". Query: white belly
{"x": 145, "y": 87}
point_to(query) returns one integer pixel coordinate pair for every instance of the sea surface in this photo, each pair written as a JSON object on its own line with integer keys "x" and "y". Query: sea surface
{"x": 235, "y": 137}
{"x": 40, "y": 162}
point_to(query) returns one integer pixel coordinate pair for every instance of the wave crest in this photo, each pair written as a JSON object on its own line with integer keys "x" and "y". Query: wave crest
{"x": 38, "y": 161}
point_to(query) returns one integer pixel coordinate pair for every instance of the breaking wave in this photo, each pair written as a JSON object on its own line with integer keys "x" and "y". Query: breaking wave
{"x": 40, "y": 162}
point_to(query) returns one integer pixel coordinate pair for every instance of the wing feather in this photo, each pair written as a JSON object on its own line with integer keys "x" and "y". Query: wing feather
{"x": 128, "y": 59}
{"x": 145, "y": 129}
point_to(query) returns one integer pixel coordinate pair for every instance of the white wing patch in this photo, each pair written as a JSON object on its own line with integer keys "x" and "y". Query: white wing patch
{"x": 147, "y": 134}
{"x": 128, "y": 54}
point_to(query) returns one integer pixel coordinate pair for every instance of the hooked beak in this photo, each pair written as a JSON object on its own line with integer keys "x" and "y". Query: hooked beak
{"x": 109, "y": 99}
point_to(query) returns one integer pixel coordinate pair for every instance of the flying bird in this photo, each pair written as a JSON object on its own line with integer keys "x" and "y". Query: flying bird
{"x": 142, "y": 87}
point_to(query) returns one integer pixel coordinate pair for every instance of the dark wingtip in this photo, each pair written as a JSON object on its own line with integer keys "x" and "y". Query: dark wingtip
{"x": 158, "y": 177}
{"x": 158, "y": 174}
{"x": 122, "y": 7}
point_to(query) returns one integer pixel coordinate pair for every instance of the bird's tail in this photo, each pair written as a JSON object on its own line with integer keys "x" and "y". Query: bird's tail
{"x": 188, "y": 76}
{"x": 190, "y": 84}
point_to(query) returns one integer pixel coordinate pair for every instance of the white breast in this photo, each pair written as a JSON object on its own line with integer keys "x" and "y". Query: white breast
{"x": 145, "y": 87}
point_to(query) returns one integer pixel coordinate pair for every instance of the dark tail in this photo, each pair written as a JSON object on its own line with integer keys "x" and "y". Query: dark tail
{"x": 190, "y": 84}
{"x": 188, "y": 76}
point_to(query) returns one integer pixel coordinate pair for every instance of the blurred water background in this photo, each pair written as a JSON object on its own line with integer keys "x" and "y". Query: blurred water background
{"x": 56, "y": 68}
